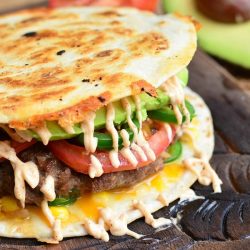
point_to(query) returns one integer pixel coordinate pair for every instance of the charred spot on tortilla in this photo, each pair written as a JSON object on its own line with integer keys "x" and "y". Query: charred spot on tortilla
{"x": 85, "y": 80}
{"x": 101, "y": 99}
{"x": 30, "y": 34}
{"x": 61, "y": 52}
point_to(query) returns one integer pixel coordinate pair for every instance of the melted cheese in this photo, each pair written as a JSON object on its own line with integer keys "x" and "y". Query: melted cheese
{"x": 113, "y": 154}
{"x": 88, "y": 127}
{"x": 95, "y": 169}
{"x": 43, "y": 133}
{"x": 149, "y": 219}
{"x": 27, "y": 171}
{"x": 207, "y": 175}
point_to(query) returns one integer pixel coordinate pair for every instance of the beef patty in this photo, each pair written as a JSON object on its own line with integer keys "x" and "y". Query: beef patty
{"x": 67, "y": 179}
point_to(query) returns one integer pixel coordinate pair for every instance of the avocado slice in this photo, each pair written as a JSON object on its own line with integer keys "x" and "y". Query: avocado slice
{"x": 224, "y": 40}
{"x": 148, "y": 103}
{"x": 183, "y": 76}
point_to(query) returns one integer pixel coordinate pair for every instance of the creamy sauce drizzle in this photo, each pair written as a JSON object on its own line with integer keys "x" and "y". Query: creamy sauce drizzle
{"x": 125, "y": 138}
{"x": 113, "y": 154}
{"x": 149, "y": 219}
{"x": 48, "y": 189}
{"x": 88, "y": 127}
{"x": 161, "y": 197}
{"x": 126, "y": 151}
{"x": 12, "y": 133}
{"x": 128, "y": 154}
{"x": 43, "y": 133}
{"x": 95, "y": 169}
{"x": 175, "y": 91}
{"x": 117, "y": 225}
{"x": 189, "y": 195}
{"x": 207, "y": 175}
{"x": 127, "y": 107}
{"x": 69, "y": 128}
{"x": 96, "y": 230}
{"x": 24, "y": 135}
{"x": 23, "y": 171}
{"x": 139, "y": 150}
{"x": 169, "y": 131}
{"x": 141, "y": 141}
{"x": 139, "y": 138}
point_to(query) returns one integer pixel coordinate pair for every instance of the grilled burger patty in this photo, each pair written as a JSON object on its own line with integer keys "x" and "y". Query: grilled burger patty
{"x": 66, "y": 179}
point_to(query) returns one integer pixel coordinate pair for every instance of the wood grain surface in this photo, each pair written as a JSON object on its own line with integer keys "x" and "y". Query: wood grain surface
{"x": 226, "y": 225}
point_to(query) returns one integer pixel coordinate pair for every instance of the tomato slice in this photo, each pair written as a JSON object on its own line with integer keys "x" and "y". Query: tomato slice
{"x": 77, "y": 158}
{"x": 145, "y": 5}
{"x": 141, "y": 4}
{"x": 20, "y": 146}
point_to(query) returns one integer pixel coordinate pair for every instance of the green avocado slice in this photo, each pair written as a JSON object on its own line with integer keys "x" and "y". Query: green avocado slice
{"x": 227, "y": 41}
{"x": 183, "y": 76}
{"x": 148, "y": 103}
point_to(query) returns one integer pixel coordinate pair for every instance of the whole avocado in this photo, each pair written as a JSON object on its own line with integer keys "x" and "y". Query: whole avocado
{"x": 228, "y": 41}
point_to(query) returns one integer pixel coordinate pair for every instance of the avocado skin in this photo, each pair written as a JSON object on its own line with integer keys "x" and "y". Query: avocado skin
{"x": 226, "y": 41}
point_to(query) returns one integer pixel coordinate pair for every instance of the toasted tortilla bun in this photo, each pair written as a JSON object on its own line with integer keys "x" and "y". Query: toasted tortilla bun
{"x": 172, "y": 182}
{"x": 54, "y": 64}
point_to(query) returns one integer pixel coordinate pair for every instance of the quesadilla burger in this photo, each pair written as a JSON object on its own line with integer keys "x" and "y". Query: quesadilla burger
{"x": 97, "y": 125}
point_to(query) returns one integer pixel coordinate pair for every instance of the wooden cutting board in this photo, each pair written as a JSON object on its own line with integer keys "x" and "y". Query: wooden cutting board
{"x": 225, "y": 221}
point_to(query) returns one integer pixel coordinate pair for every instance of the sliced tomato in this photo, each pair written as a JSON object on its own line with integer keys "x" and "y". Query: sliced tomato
{"x": 77, "y": 158}
{"x": 141, "y": 4}
{"x": 20, "y": 146}
{"x": 145, "y": 5}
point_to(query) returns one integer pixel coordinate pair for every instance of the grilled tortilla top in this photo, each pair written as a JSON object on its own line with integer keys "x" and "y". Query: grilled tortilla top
{"x": 58, "y": 64}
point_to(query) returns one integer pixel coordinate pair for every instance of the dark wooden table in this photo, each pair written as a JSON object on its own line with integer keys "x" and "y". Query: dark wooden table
{"x": 225, "y": 225}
